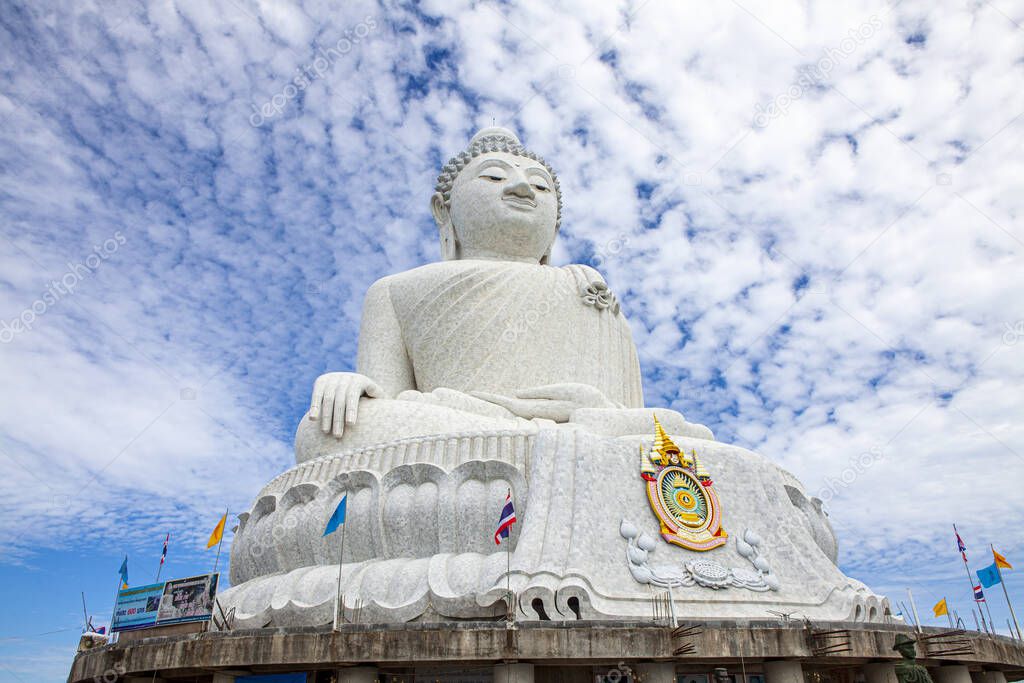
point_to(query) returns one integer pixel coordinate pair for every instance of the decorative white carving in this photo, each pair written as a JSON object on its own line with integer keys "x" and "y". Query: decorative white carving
{"x": 598, "y": 295}
{"x": 701, "y": 572}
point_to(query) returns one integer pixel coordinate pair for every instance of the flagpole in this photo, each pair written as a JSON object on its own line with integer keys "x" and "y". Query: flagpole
{"x": 341, "y": 556}
{"x": 113, "y": 610}
{"x": 221, "y": 542}
{"x": 85, "y": 611}
{"x": 1005, "y": 593}
{"x": 949, "y": 617}
{"x": 508, "y": 578}
{"x": 991, "y": 621}
{"x": 905, "y": 613}
{"x": 162, "y": 556}
{"x": 917, "y": 619}
{"x": 970, "y": 581}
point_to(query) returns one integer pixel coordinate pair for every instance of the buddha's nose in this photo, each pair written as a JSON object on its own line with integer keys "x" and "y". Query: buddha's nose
{"x": 520, "y": 187}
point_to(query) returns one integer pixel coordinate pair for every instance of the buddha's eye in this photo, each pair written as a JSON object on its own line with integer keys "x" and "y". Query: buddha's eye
{"x": 541, "y": 188}
{"x": 492, "y": 177}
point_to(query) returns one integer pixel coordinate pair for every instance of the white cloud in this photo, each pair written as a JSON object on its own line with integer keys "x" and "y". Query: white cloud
{"x": 848, "y": 269}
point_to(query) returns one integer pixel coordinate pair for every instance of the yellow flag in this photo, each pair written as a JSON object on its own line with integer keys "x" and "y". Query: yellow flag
{"x": 940, "y": 608}
{"x": 1001, "y": 561}
{"x": 218, "y": 532}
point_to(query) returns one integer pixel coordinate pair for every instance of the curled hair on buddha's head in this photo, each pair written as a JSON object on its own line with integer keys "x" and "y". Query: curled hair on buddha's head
{"x": 493, "y": 139}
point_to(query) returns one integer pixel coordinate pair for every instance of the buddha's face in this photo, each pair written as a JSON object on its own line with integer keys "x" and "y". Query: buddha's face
{"x": 503, "y": 206}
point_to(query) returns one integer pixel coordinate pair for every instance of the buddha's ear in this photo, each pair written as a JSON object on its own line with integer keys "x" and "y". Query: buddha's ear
{"x": 443, "y": 219}
{"x": 439, "y": 210}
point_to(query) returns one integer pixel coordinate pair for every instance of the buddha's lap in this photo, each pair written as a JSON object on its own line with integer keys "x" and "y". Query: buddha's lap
{"x": 382, "y": 420}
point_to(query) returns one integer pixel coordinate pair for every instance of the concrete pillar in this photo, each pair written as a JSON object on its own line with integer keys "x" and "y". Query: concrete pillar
{"x": 660, "y": 672}
{"x": 513, "y": 673}
{"x": 884, "y": 672}
{"x": 997, "y": 676}
{"x": 223, "y": 678}
{"x": 357, "y": 674}
{"x": 783, "y": 671}
{"x": 981, "y": 677}
{"x": 954, "y": 673}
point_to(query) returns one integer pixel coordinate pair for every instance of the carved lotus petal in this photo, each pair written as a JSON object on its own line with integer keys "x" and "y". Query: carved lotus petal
{"x": 752, "y": 538}
{"x": 744, "y": 549}
{"x": 647, "y": 542}
{"x": 747, "y": 576}
{"x": 641, "y": 574}
{"x": 627, "y": 530}
{"x": 636, "y": 555}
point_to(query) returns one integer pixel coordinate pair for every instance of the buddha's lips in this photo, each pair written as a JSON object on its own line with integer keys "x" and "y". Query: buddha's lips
{"x": 521, "y": 202}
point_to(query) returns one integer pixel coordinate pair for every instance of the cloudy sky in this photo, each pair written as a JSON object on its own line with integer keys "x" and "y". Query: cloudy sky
{"x": 810, "y": 210}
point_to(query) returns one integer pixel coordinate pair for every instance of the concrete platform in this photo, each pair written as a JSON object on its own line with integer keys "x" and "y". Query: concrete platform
{"x": 544, "y": 644}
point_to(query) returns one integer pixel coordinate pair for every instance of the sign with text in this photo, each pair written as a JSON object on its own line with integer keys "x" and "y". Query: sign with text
{"x": 188, "y": 599}
{"x": 136, "y": 607}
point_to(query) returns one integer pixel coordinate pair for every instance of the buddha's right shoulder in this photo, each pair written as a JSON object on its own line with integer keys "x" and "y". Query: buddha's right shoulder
{"x": 413, "y": 279}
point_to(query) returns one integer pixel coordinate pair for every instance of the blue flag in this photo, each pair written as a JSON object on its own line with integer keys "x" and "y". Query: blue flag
{"x": 338, "y": 518}
{"x": 123, "y": 571}
{"x": 989, "y": 576}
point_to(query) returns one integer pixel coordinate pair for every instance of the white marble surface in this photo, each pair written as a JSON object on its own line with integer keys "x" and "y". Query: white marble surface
{"x": 494, "y": 371}
{"x": 421, "y": 521}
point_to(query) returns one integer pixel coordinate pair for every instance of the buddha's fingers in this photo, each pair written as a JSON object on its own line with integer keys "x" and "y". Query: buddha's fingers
{"x": 451, "y": 398}
{"x": 342, "y": 407}
{"x": 373, "y": 390}
{"x": 506, "y": 402}
{"x": 530, "y": 408}
{"x": 328, "y": 406}
{"x": 556, "y": 411}
{"x": 583, "y": 395}
{"x": 352, "y": 394}
{"x": 318, "y": 396}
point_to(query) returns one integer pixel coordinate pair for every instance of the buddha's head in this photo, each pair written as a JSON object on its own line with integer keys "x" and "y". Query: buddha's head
{"x": 496, "y": 200}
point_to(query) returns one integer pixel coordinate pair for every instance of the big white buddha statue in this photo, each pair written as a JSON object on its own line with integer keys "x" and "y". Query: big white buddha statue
{"x": 494, "y": 373}
{"x": 490, "y": 334}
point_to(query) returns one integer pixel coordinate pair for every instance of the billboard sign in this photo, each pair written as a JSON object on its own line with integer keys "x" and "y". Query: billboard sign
{"x": 188, "y": 599}
{"x": 136, "y": 607}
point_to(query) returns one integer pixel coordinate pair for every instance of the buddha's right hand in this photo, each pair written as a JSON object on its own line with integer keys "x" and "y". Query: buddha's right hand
{"x": 336, "y": 399}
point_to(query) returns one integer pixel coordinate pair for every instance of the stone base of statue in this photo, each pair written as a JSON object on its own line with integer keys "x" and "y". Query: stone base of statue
{"x": 420, "y": 537}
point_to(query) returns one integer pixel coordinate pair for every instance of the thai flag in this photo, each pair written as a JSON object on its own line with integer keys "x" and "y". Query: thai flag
{"x": 960, "y": 544}
{"x": 508, "y": 518}
{"x": 979, "y": 595}
{"x": 163, "y": 555}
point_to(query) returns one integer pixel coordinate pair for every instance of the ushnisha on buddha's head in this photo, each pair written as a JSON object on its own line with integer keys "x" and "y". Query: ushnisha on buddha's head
{"x": 497, "y": 201}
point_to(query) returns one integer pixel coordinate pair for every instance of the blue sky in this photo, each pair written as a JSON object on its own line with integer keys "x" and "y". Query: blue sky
{"x": 811, "y": 214}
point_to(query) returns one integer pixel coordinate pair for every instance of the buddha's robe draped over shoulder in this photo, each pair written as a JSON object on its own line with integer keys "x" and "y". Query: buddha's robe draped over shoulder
{"x": 497, "y": 326}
